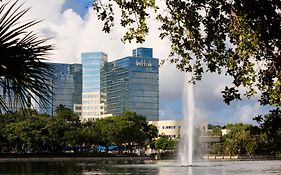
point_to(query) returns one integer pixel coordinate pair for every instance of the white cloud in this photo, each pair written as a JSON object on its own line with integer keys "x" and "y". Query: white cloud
{"x": 47, "y": 10}
{"x": 73, "y": 35}
{"x": 244, "y": 113}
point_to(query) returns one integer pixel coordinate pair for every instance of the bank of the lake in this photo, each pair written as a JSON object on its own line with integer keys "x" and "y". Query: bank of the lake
{"x": 140, "y": 167}
{"x": 241, "y": 157}
{"x": 70, "y": 157}
{"x": 42, "y": 157}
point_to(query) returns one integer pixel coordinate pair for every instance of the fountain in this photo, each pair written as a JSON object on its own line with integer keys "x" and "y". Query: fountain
{"x": 186, "y": 143}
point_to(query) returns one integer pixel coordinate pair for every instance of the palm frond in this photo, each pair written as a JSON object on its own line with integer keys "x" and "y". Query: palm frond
{"x": 23, "y": 73}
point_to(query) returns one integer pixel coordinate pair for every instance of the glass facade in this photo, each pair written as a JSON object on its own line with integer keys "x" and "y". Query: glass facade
{"x": 132, "y": 84}
{"x": 143, "y": 52}
{"x": 12, "y": 101}
{"x": 97, "y": 88}
{"x": 92, "y": 97}
{"x": 66, "y": 83}
{"x": 66, "y": 87}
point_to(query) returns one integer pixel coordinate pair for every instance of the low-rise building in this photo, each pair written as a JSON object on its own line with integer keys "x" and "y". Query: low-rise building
{"x": 170, "y": 128}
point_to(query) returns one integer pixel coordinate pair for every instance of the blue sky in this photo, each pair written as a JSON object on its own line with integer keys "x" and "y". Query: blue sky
{"x": 75, "y": 29}
{"x": 79, "y": 6}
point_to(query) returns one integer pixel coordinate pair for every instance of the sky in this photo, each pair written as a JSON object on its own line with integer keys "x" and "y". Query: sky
{"x": 74, "y": 28}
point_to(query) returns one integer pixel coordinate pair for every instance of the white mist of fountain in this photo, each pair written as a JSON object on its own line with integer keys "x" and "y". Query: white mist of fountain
{"x": 186, "y": 143}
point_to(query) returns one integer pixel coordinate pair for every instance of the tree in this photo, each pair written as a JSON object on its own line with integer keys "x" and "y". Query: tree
{"x": 116, "y": 130}
{"x": 165, "y": 143}
{"x": 24, "y": 133}
{"x": 152, "y": 133}
{"x": 216, "y": 131}
{"x": 239, "y": 140}
{"x": 127, "y": 129}
{"x": 27, "y": 131}
{"x": 63, "y": 129}
{"x": 23, "y": 74}
{"x": 90, "y": 134}
{"x": 216, "y": 148}
{"x": 270, "y": 126}
{"x": 240, "y": 38}
{"x": 140, "y": 130}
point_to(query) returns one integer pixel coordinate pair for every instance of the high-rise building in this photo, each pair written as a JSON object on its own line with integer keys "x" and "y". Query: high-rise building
{"x": 106, "y": 88}
{"x": 127, "y": 84}
{"x": 93, "y": 99}
{"x": 132, "y": 84}
{"x": 66, "y": 86}
{"x": 66, "y": 83}
{"x": 12, "y": 101}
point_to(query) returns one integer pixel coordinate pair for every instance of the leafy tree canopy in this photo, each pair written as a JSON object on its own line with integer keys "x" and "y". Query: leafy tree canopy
{"x": 23, "y": 74}
{"x": 165, "y": 143}
{"x": 240, "y": 140}
{"x": 270, "y": 125}
{"x": 128, "y": 128}
{"x": 240, "y": 38}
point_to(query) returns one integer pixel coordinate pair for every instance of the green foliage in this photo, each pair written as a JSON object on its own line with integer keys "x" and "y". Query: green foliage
{"x": 129, "y": 128}
{"x": 239, "y": 37}
{"x": 216, "y": 131}
{"x": 245, "y": 139}
{"x": 90, "y": 134}
{"x": 241, "y": 140}
{"x": 27, "y": 131}
{"x": 165, "y": 143}
{"x": 133, "y": 17}
{"x": 23, "y": 74}
{"x": 63, "y": 128}
{"x": 34, "y": 132}
{"x": 217, "y": 148}
{"x": 24, "y": 133}
{"x": 271, "y": 128}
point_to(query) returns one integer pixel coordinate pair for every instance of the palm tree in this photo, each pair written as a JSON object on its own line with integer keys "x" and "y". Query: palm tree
{"x": 23, "y": 73}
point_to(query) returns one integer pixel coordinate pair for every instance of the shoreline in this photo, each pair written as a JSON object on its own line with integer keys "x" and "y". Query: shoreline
{"x": 240, "y": 157}
{"x": 64, "y": 159}
{"x": 125, "y": 158}
{"x": 43, "y": 157}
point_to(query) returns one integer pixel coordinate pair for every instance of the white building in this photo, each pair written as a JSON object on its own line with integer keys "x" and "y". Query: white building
{"x": 170, "y": 128}
{"x": 92, "y": 98}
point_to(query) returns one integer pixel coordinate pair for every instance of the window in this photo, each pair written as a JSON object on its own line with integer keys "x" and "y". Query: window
{"x": 169, "y": 127}
{"x": 78, "y": 108}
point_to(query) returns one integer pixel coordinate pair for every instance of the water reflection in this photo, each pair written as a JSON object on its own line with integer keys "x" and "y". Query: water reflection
{"x": 224, "y": 168}
{"x": 138, "y": 167}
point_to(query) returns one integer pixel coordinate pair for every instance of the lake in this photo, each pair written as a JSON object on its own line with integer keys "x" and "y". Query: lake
{"x": 140, "y": 167}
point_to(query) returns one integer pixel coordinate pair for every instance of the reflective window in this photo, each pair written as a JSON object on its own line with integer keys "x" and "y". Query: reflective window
{"x": 66, "y": 84}
{"x": 132, "y": 83}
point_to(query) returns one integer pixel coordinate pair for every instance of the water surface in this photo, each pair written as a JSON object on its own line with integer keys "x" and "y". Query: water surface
{"x": 140, "y": 167}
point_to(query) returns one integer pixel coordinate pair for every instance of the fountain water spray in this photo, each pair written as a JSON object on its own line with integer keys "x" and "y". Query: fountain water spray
{"x": 186, "y": 143}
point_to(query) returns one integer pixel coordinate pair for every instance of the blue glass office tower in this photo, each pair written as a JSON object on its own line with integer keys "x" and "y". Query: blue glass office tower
{"x": 66, "y": 87}
{"x": 132, "y": 84}
{"x": 66, "y": 83}
{"x": 107, "y": 88}
{"x": 93, "y": 98}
